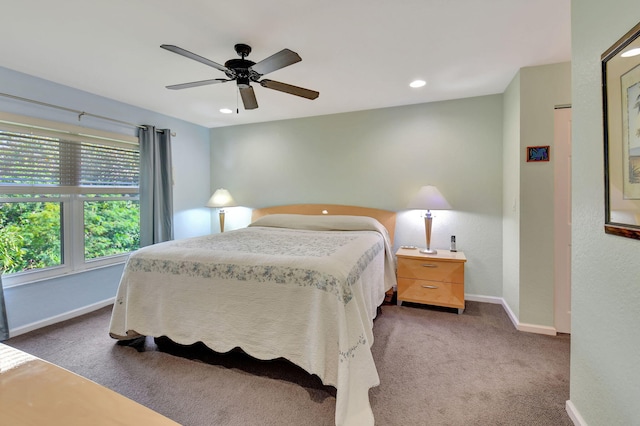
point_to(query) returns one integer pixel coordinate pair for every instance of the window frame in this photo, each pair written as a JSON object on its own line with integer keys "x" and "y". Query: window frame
{"x": 71, "y": 199}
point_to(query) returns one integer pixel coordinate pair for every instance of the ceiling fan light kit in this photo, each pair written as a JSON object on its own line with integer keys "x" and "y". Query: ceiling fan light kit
{"x": 244, "y": 72}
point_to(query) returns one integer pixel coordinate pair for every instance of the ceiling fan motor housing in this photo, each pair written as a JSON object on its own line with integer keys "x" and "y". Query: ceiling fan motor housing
{"x": 239, "y": 68}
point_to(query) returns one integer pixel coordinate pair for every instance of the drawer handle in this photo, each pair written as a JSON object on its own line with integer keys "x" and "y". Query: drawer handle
{"x": 430, "y": 286}
{"x": 429, "y": 265}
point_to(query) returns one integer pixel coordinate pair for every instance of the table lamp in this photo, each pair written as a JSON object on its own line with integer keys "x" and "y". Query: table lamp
{"x": 428, "y": 198}
{"x": 220, "y": 199}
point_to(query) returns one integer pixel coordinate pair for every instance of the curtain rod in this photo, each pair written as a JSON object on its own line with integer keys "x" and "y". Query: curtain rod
{"x": 80, "y": 113}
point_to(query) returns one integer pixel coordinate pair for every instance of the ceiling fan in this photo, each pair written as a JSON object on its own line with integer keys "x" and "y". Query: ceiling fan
{"x": 244, "y": 71}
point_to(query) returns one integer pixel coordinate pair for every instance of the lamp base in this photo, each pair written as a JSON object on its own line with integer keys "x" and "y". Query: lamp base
{"x": 427, "y": 228}
{"x": 221, "y": 220}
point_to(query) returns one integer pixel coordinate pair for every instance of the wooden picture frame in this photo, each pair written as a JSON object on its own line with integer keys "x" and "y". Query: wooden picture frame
{"x": 621, "y": 116}
{"x": 537, "y": 153}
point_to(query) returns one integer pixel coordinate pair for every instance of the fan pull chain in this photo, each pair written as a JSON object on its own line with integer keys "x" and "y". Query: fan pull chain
{"x": 237, "y": 101}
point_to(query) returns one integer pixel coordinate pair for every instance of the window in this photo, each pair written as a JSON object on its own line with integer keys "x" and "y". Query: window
{"x": 68, "y": 198}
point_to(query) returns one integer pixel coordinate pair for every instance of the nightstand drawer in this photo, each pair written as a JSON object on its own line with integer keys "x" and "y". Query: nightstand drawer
{"x": 432, "y": 270}
{"x": 431, "y": 292}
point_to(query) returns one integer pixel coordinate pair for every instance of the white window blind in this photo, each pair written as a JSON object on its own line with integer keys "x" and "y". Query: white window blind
{"x": 35, "y": 159}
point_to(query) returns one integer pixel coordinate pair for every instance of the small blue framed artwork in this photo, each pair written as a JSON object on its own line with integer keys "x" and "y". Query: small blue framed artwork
{"x": 537, "y": 153}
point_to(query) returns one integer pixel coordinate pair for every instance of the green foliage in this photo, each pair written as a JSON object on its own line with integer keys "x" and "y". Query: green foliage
{"x": 30, "y": 235}
{"x": 111, "y": 227}
{"x": 31, "y": 232}
{"x": 11, "y": 251}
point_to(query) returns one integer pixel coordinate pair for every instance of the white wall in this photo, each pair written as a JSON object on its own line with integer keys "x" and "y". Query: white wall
{"x": 605, "y": 341}
{"x": 31, "y": 304}
{"x": 380, "y": 158}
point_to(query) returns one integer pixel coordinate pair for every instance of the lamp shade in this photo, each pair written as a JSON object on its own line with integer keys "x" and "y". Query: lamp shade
{"x": 221, "y": 198}
{"x": 429, "y": 198}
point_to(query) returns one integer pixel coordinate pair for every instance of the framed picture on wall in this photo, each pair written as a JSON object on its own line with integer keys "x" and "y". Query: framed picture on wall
{"x": 621, "y": 113}
{"x": 537, "y": 153}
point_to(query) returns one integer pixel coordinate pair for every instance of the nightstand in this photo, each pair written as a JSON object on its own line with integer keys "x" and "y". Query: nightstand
{"x": 431, "y": 279}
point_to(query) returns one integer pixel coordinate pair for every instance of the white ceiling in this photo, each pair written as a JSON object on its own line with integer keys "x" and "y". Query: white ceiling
{"x": 359, "y": 54}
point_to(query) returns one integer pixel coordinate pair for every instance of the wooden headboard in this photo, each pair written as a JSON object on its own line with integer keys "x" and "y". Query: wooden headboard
{"x": 385, "y": 217}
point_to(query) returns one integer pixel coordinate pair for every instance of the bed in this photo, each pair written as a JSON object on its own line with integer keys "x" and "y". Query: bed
{"x": 301, "y": 282}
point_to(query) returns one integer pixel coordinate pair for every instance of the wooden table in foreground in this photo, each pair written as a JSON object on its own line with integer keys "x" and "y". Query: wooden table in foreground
{"x": 431, "y": 279}
{"x": 36, "y": 392}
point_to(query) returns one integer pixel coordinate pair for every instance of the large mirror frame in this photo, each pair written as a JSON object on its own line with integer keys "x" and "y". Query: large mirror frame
{"x": 621, "y": 111}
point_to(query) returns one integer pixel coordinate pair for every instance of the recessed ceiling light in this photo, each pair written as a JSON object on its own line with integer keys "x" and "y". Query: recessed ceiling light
{"x": 630, "y": 53}
{"x": 417, "y": 83}
{"x": 226, "y": 111}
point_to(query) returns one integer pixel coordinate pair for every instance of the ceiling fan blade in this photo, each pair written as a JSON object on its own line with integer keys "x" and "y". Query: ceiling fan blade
{"x": 288, "y": 88}
{"x": 196, "y": 83}
{"x": 282, "y": 59}
{"x": 248, "y": 97}
{"x": 187, "y": 54}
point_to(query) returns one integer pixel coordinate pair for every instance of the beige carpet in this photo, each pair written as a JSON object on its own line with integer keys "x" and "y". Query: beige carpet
{"x": 436, "y": 368}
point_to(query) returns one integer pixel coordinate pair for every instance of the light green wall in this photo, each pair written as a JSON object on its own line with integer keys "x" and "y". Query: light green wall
{"x": 541, "y": 89}
{"x": 528, "y": 194}
{"x": 605, "y": 341}
{"x": 380, "y": 158}
{"x": 511, "y": 196}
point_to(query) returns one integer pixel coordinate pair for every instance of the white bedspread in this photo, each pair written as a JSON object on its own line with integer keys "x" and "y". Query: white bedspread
{"x": 306, "y": 295}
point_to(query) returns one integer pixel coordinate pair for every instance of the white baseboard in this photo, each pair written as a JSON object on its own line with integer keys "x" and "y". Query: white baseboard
{"x": 510, "y": 313}
{"x": 483, "y": 299}
{"x": 538, "y": 329}
{"x": 59, "y": 318}
{"x": 529, "y": 328}
{"x": 575, "y": 416}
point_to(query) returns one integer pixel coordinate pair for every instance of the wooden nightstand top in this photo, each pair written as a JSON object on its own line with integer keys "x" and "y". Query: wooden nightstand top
{"x": 443, "y": 255}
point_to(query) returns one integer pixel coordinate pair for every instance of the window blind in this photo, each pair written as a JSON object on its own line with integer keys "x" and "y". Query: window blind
{"x": 43, "y": 162}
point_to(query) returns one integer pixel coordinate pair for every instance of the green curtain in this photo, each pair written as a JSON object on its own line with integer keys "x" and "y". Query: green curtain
{"x": 156, "y": 186}
{"x": 4, "y": 324}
